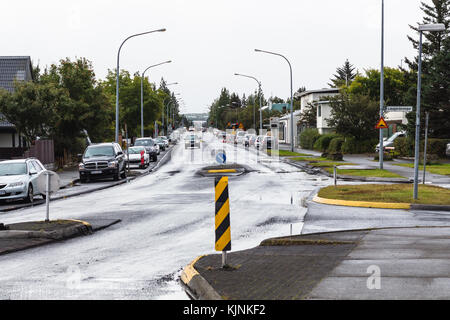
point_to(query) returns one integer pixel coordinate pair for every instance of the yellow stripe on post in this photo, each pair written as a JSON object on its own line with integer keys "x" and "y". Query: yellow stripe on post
{"x": 222, "y": 216}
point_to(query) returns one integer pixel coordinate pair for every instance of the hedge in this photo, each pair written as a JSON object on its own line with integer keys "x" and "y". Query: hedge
{"x": 308, "y": 137}
{"x": 336, "y": 145}
{"x": 405, "y": 146}
{"x": 354, "y": 146}
{"x": 324, "y": 141}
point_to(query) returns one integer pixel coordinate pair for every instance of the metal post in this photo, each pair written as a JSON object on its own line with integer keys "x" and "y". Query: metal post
{"x": 142, "y": 105}
{"x": 128, "y": 154}
{"x": 224, "y": 259}
{"x": 335, "y": 175}
{"x": 117, "y": 78}
{"x": 427, "y": 114}
{"x": 417, "y": 140}
{"x": 260, "y": 109}
{"x": 381, "y": 150}
{"x": 47, "y": 198}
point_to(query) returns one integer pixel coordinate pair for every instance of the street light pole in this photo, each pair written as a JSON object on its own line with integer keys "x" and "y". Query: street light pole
{"x": 164, "y": 105}
{"x": 432, "y": 28}
{"x": 292, "y": 100}
{"x": 142, "y": 94}
{"x": 260, "y": 101}
{"x": 381, "y": 150}
{"x": 117, "y": 78}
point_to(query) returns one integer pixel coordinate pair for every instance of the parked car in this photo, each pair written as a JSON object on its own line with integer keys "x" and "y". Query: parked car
{"x": 191, "y": 141}
{"x": 247, "y": 139}
{"x": 150, "y": 146}
{"x": 166, "y": 140}
{"x": 390, "y": 142}
{"x": 240, "y": 137}
{"x": 252, "y": 139}
{"x": 134, "y": 156}
{"x": 103, "y": 160}
{"x": 267, "y": 142}
{"x": 18, "y": 179}
{"x": 160, "y": 142}
{"x": 258, "y": 142}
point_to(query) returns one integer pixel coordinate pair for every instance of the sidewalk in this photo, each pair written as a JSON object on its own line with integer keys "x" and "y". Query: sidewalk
{"x": 412, "y": 263}
{"x": 366, "y": 161}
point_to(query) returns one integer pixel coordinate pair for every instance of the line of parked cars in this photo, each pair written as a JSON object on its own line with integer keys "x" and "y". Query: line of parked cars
{"x": 108, "y": 160}
{"x": 246, "y": 139}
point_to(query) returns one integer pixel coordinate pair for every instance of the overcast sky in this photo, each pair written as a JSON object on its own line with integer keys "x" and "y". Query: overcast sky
{"x": 210, "y": 40}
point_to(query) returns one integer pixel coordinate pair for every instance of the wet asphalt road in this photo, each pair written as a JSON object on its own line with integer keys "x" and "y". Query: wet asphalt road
{"x": 167, "y": 220}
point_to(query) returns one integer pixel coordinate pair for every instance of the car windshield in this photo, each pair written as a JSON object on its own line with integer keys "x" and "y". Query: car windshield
{"x": 145, "y": 142}
{"x": 134, "y": 150}
{"x": 12, "y": 169}
{"x": 100, "y": 151}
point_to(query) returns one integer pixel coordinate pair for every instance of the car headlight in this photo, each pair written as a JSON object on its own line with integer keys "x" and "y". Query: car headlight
{"x": 16, "y": 184}
{"x": 81, "y": 166}
{"x": 112, "y": 164}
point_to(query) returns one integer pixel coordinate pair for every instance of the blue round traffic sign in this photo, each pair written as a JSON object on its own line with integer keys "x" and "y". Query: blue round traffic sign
{"x": 221, "y": 158}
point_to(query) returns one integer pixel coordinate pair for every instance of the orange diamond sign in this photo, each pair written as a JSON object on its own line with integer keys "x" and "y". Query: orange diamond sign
{"x": 381, "y": 124}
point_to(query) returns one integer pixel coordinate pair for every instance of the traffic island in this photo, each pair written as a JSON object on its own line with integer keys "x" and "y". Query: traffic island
{"x": 24, "y": 235}
{"x": 387, "y": 196}
{"x": 377, "y": 263}
{"x": 224, "y": 170}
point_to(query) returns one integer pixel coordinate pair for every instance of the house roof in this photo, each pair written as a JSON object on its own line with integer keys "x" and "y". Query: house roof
{"x": 14, "y": 68}
{"x": 325, "y": 90}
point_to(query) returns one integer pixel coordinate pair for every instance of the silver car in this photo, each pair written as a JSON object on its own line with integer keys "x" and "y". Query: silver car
{"x": 18, "y": 179}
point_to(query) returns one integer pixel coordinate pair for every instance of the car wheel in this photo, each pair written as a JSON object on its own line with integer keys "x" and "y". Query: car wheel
{"x": 29, "y": 198}
{"x": 116, "y": 175}
{"x": 43, "y": 196}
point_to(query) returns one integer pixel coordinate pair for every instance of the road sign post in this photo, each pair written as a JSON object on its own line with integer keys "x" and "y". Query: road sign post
{"x": 48, "y": 181}
{"x": 222, "y": 218}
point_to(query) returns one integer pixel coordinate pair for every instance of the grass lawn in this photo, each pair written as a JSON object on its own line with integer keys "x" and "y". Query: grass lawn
{"x": 397, "y": 193}
{"x": 310, "y": 159}
{"x": 331, "y": 164}
{"x": 366, "y": 173}
{"x": 440, "y": 168}
{"x": 287, "y": 153}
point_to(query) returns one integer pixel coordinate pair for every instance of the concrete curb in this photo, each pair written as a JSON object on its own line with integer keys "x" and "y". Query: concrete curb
{"x": 363, "y": 204}
{"x": 83, "y": 228}
{"x": 313, "y": 170}
{"x": 382, "y": 205}
{"x": 199, "y": 288}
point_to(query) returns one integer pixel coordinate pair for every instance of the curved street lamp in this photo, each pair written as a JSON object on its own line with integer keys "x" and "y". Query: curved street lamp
{"x": 260, "y": 101}
{"x": 142, "y": 94}
{"x": 117, "y": 78}
{"x": 292, "y": 108}
{"x": 422, "y": 28}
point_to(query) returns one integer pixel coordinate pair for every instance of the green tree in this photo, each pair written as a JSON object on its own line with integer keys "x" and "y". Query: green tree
{"x": 354, "y": 115}
{"x": 90, "y": 109}
{"x": 32, "y": 108}
{"x": 344, "y": 75}
{"x": 396, "y": 85}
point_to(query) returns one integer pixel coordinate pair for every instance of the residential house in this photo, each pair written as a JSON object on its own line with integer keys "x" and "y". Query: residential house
{"x": 12, "y": 68}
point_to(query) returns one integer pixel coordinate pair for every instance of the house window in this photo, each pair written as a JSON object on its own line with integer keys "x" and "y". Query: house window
{"x": 319, "y": 110}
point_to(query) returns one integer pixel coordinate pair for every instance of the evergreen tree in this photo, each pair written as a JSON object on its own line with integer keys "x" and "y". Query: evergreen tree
{"x": 344, "y": 75}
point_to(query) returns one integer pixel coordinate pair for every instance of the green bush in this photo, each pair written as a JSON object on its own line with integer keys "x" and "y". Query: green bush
{"x": 436, "y": 146}
{"x": 323, "y": 142}
{"x": 308, "y": 137}
{"x": 335, "y": 145}
{"x": 404, "y": 147}
{"x": 353, "y": 146}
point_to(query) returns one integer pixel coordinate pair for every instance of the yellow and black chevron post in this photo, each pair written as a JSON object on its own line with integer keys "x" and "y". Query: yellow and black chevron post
{"x": 223, "y": 230}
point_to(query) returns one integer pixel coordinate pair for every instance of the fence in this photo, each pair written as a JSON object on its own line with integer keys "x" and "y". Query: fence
{"x": 43, "y": 150}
